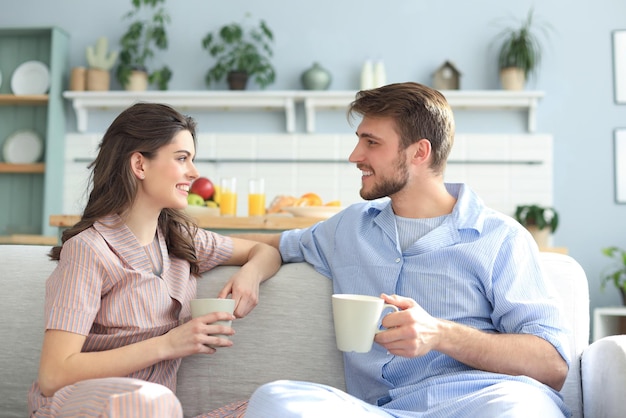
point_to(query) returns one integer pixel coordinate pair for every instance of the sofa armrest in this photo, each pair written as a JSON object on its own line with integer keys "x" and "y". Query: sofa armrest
{"x": 603, "y": 371}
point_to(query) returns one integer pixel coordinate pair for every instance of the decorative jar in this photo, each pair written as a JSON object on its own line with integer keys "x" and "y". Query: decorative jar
{"x": 316, "y": 78}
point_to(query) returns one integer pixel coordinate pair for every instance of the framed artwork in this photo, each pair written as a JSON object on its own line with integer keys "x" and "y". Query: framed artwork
{"x": 620, "y": 165}
{"x": 619, "y": 66}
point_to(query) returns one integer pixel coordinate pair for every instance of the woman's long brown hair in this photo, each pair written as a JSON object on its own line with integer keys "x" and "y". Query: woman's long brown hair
{"x": 144, "y": 128}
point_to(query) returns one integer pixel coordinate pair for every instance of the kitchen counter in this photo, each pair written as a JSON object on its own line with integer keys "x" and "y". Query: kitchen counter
{"x": 222, "y": 224}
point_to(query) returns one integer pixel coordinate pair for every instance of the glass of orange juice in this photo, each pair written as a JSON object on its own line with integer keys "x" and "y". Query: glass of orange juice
{"x": 256, "y": 197}
{"x": 228, "y": 196}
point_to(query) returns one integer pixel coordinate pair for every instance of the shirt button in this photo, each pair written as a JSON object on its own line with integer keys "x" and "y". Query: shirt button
{"x": 397, "y": 260}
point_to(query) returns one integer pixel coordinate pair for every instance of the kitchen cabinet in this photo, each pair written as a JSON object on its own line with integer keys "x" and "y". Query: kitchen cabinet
{"x": 31, "y": 192}
{"x": 220, "y": 224}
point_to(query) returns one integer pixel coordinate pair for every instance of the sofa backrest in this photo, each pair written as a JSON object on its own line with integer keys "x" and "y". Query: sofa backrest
{"x": 289, "y": 335}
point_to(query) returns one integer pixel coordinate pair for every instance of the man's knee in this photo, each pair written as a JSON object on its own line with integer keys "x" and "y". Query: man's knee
{"x": 516, "y": 399}
{"x": 286, "y": 398}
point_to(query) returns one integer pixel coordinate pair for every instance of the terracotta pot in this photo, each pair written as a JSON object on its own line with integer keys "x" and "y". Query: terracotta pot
{"x": 512, "y": 78}
{"x": 98, "y": 80}
{"x": 78, "y": 79}
{"x": 137, "y": 81}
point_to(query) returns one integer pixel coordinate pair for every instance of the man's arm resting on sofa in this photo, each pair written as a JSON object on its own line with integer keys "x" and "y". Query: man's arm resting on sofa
{"x": 271, "y": 239}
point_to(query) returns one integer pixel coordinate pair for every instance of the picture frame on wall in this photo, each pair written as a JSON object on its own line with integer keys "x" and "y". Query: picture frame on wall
{"x": 619, "y": 66}
{"x": 620, "y": 165}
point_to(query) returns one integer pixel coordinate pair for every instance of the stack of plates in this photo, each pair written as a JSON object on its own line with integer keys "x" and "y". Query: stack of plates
{"x": 31, "y": 77}
{"x": 22, "y": 147}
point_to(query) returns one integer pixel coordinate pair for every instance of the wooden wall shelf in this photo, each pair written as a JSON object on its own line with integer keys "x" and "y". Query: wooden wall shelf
{"x": 84, "y": 102}
{"x": 35, "y": 168}
{"x": 25, "y": 239}
{"x": 16, "y": 100}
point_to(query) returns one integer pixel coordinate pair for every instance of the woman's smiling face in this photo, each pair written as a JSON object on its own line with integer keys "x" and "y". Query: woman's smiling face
{"x": 170, "y": 173}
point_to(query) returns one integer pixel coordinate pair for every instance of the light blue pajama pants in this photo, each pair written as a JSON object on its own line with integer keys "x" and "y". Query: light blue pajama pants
{"x": 286, "y": 399}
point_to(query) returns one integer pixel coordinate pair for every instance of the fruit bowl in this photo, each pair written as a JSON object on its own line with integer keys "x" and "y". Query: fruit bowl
{"x": 313, "y": 211}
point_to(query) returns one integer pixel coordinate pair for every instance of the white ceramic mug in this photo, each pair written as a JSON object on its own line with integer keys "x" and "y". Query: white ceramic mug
{"x": 356, "y": 319}
{"x": 204, "y": 306}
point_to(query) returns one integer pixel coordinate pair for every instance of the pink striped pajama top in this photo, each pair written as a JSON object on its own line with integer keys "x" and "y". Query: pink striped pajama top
{"x": 103, "y": 287}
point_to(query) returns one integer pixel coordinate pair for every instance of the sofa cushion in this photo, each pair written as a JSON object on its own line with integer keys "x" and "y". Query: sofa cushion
{"x": 23, "y": 274}
{"x": 289, "y": 335}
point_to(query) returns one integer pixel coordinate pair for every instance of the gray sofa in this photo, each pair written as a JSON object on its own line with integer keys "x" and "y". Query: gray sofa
{"x": 288, "y": 336}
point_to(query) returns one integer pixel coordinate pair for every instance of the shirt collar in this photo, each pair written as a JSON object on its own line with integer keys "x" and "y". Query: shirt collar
{"x": 122, "y": 241}
{"x": 468, "y": 212}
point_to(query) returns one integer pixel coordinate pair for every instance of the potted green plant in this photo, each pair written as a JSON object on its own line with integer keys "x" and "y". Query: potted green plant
{"x": 520, "y": 52}
{"x": 616, "y": 272}
{"x": 241, "y": 53}
{"x": 145, "y": 34}
{"x": 540, "y": 221}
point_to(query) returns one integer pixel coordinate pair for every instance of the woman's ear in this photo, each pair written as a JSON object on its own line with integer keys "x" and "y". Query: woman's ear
{"x": 137, "y": 165}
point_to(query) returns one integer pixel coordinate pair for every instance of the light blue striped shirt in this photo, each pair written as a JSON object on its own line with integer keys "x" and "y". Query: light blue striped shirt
{"x": 478, "y": 268}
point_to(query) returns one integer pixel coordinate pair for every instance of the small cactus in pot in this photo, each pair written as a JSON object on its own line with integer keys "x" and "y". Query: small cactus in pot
{"x": 99, "y": 57}
{"x": 100, "y": 61}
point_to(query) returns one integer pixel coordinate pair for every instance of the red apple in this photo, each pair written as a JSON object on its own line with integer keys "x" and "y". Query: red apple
{"x": 204, "y": 187}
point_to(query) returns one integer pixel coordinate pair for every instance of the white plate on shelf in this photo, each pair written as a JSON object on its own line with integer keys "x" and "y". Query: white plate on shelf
{"x": 22, "y": 147}
{"x": 31, "y": 77}
{"x": 313, "y": 211}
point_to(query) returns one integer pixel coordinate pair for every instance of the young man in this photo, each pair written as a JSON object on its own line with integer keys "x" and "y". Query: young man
{"x": 479, "y": 332}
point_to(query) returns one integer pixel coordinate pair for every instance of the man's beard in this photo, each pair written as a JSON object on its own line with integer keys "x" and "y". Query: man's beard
{"x": 389, "y": 186}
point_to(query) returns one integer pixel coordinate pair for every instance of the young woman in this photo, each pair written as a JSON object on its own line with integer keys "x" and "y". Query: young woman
{"x": 117, "y": 304}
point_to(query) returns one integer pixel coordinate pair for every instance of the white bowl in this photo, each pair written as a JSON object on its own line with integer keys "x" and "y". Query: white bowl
{"x": 201, "y": 211}
{"x": 313, "y": 211}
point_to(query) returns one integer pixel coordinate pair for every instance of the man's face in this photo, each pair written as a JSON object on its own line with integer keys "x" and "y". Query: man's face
{"x": 378, "y": 156}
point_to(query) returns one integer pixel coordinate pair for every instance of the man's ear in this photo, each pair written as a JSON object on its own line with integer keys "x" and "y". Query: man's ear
{"x": 420, "y": 151}
{"x": 137, "y": 161}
